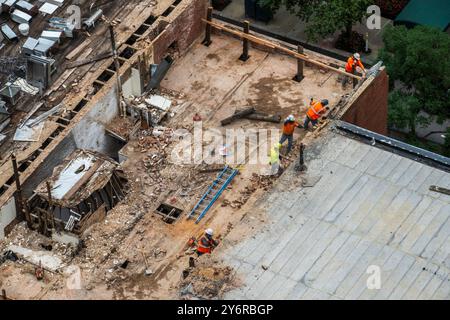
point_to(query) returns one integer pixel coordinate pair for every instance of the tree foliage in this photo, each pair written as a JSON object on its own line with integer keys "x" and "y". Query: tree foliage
{"x": 324, "y": 17}
{"x": 418, "y": 64}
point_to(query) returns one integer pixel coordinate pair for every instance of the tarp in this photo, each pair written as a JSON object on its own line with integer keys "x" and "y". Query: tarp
{"x": 433, "y": 13}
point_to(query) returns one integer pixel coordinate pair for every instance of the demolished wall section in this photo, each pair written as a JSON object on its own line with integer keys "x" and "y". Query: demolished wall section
{"x": 183, "y": 29}
{"x": 89, "y": 132}
{"x": 369, "y": 109}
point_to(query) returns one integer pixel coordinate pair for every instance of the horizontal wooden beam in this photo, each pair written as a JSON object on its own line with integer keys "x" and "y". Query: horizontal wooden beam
{"x": 271, "y": 45}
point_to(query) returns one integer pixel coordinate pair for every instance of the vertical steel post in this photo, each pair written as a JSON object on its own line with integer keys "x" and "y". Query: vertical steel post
{"x": 23, "y": 210}
{"x": 207, "y": 41}
{"x": 300, "y": 66}
{"x": 50, "y": 205}
{"x": 301, "y": 161}
{"x": 245, "y": 43}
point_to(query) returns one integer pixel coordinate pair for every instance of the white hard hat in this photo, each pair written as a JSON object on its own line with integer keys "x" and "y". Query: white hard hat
{"x": 290, "y": 117}
{"x": 209, "y": 232}
{"x": 357, "y": 56}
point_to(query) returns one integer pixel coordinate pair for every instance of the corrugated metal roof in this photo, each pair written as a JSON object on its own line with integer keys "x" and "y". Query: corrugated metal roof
{"x": 369, "y": 207}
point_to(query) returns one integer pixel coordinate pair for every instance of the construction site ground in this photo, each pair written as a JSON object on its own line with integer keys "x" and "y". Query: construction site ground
{"x": 133, "y": 253}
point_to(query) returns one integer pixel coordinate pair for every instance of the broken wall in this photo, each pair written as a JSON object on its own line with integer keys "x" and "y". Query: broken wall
{"x": 89, "y": 133}
{"x": 7, "y": 215}
{"x": 183, "y": 29}
{"x": 370, "y": 106}
{"x": 45, "y": 169}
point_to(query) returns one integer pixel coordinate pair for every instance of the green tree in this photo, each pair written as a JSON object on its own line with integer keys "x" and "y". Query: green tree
{"x": 324, "y": 17}
{"x": 418, "y": 64}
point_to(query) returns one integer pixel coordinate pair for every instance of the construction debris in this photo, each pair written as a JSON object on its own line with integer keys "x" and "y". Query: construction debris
{"x": 440, "y": 189}
{"x": 207, "y": 280}
{"x": 237, "y": 115}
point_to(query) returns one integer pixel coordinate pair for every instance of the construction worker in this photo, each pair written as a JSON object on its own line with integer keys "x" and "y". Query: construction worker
{"x": 315, "y": 111}
{"x": 206, "y": 242}
{"x": 275, "y": 159}
{"x": 353, "y": 62}
{"x": 288, "y": 131}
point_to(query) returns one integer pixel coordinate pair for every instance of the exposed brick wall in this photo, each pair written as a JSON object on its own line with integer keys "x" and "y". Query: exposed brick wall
{"x": 184, "y": 28}
{"x": 369, "y": 110}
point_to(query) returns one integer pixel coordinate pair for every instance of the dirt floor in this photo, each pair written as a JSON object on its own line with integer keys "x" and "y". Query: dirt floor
{"x": 134, "y": 253}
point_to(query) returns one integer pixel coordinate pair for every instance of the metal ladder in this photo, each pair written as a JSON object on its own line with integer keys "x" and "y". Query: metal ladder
{"x": 222, "y": 180}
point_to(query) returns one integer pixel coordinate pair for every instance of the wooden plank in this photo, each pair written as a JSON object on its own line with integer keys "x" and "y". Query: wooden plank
{"x": 271, "y": 45}
{"x": 77, "y": 50}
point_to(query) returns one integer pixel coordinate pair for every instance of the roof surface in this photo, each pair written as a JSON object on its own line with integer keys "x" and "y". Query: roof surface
{"x": 367, "y": 206}
{"x": 78, "y": 177}
{"x": 434, "y": 13}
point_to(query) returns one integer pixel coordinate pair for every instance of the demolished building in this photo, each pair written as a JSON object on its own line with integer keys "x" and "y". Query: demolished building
{"x": 80, "y": 191}
{"x": 176, "y": 66}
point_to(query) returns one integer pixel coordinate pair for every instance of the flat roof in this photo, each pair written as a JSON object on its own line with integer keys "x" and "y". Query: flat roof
{"x": 356, "y": 206}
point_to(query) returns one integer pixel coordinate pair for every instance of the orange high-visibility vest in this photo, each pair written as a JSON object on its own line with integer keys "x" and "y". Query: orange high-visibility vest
{"x": 205, "y": 245}
{"x": 288, "y": 127}
{"x": 352, "y": 63}
{"x": 315, "y": 110}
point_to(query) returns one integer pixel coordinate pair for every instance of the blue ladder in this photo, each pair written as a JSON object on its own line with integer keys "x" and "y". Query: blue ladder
{"x": 213, "y": 193}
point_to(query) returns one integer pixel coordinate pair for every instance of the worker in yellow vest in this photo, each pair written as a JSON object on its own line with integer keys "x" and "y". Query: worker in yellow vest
{"x": 275, "y": 160}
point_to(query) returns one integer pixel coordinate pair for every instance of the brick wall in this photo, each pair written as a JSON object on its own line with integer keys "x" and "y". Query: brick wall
{"x": 185, "y": 26}
{"x": 369, "y": 109}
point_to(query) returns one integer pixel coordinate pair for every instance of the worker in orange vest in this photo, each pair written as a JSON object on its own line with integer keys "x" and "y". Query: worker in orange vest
{"x": 315, "y": 111}
{"x": 353, "y": 62}
{"x": 288, "y": 131}
{"x": 206, "y": 242}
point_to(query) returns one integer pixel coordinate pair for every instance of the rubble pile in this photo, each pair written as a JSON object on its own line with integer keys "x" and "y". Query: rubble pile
{"x": 263, "y": 182}
{"x": 207, "y": 280}
{"x": 22, "y": 236}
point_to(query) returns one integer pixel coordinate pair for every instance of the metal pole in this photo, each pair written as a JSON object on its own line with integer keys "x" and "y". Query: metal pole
{"x": 301, "y": 163}
{"x": 50, "y": 205}
{"x": 117, "y": 67}
{"x": 23, "y": 211}
{"x": 207, "y": 41}
{"x": 300, "y": 65}
{"x": 245, "y": 44}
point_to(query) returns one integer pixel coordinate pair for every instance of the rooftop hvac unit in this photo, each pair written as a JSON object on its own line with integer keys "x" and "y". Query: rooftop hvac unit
{"x": 20, "y": 16}
{"x": 90, "y": 22}
{"x": 8, "y": 32}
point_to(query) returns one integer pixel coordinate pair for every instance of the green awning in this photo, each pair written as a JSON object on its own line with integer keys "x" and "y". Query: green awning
{"x": 433, "y": 13}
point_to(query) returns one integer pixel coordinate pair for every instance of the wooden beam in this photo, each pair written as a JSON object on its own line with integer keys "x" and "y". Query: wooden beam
{"x": 271, "y": 45}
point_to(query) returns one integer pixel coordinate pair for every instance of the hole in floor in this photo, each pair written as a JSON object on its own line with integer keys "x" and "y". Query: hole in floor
{"x": 150, "y": 20}
{"x": 105, "y": 76}
{"x": 124, "y": 265}
{"x": 127, "y": 53}
{"x": 141, "y": 30}
{"x": 168, "y": 11}
{"x": 169, "y": 213}
{"x": 80, "y": 105}
{"x": 131, "y": 40}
